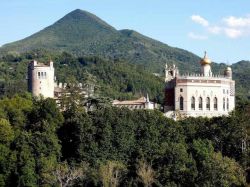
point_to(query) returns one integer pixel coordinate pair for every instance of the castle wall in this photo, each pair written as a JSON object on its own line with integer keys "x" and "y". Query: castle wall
{"x": 205, "y": 88}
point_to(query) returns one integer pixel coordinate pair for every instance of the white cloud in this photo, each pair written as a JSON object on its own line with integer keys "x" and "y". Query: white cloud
{"x": 200, "y": 20}
{"x": 197, "y": 36}
{"x": 237, "y": 22}
{"x": 231, "y": 27}
{"x": 215, "y": 30}
{"x": 233, "y": 33}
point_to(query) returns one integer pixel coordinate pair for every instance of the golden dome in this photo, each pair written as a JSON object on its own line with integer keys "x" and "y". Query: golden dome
{"x": 205, "y": 60}
{"x": 229, "y": 69}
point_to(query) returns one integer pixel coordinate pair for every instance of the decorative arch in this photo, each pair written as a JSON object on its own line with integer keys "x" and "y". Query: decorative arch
{"x": 215, "y": 103}
{"x": 224, "y": 104}
{"x": 193, "y": 103}
{"x": 181, "y": 103}
{"x": 208, "y": 103}
{"x": 200, "y": 103}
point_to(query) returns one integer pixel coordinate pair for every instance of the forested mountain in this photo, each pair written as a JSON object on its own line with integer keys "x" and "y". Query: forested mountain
{"x": 83, "y": 34}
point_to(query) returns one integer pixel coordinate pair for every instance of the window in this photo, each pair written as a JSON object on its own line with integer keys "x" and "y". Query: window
{"x": 41, "y": 75}
{"x": 193, "y": 103}
{"x": 215, "y": 103}
{"x": 208, "y": 103}
{"x": 227, "y": 104}
{"x": 181, "y": 103}
{"x": 224, "y": 103}
{"x": 181, "y": 90}
{"x": 200, "y": 103}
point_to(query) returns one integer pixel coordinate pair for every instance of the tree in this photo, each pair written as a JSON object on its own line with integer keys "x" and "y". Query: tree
{"x": 6, "y": 132}
{"x": 111, "y": 173}
{"x": 7, "y": 157}
{"x": 146, "y": 173}
{"x": 66, "y": 175}
{"x": 214, "y": 169}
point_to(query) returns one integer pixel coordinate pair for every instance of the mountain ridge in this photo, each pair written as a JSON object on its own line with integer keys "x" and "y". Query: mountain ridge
{"x": 84, "y": 34}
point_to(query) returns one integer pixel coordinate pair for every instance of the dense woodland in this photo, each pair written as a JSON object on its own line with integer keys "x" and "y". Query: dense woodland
{"x": 41, "y": 146}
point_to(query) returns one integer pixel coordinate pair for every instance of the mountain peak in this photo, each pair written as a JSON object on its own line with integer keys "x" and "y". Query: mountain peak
{"x": 84, "y": 17}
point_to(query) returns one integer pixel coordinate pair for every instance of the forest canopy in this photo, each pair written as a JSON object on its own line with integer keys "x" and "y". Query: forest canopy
{"x": 43, "y": 146}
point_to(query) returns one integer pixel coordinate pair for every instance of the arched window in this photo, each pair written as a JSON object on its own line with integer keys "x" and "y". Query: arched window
{"x": 224, "y": 104}
{"x": 193, "y": 103}
{"x": 200, "y": 103}
{"x": 181, "y": 103}
{"x": 215, "y": 103}
{"x": 227, "y": 104}
{"x": 208, "y": 103}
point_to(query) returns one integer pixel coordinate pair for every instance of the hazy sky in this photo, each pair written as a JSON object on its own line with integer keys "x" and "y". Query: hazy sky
{"x": 221, "y": 27}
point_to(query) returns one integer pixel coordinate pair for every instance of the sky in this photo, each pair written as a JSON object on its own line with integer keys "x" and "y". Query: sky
{"x": 220, "y": 27}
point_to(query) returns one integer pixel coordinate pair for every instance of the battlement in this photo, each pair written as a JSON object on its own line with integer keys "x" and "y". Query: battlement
{"x": 201, "y": 76}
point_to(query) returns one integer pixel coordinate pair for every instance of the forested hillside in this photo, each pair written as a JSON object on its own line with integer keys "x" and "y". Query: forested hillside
{"x": 116, "y": 79}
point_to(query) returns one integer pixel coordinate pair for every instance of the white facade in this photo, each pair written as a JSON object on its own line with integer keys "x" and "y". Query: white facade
{"x": 204, "y": 95}
{"x": 41, "y": 79}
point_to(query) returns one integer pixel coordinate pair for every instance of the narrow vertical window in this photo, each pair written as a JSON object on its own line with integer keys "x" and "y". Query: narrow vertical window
{"x": 39, "y": 75}
{"x": 45, "y": 75}
{"x": 224, "y": 103}
{"x": 42, "y": 75}
{"x": 193, "y": 103}
{"x": 227, "y": 104}
{"x": 208, "y": 103}
{"x": 181, "y": 103}
{"x": 200, "y": 103}
{"x": 215, "y": 103}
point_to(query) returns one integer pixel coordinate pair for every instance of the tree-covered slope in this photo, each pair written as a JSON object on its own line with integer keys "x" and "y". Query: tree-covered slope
{"x": 241, "y": 74}
{"x": 83, "y": 34}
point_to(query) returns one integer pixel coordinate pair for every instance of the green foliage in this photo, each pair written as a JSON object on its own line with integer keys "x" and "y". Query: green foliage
{"x": 6, "y": 132}
{"x": 112, "y": 142}
{"x": 214, "y": 169}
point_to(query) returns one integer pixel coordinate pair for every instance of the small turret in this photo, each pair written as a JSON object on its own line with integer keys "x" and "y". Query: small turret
{"x": 205, "y": 66}
{"x": 170, "y": 72}
{"x": 228, "y": 72}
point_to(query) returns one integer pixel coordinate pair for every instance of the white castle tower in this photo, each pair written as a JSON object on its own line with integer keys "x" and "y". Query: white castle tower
{"x": 41, "y": 79}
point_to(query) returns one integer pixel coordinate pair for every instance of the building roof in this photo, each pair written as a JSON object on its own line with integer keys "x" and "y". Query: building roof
{"x": 139, "y": 101}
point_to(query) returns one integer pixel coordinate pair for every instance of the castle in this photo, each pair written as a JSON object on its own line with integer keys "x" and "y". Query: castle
{"x": 41, "y": 82}
{"x": 194, "y": 95}
{"x": 188, "y": 95}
